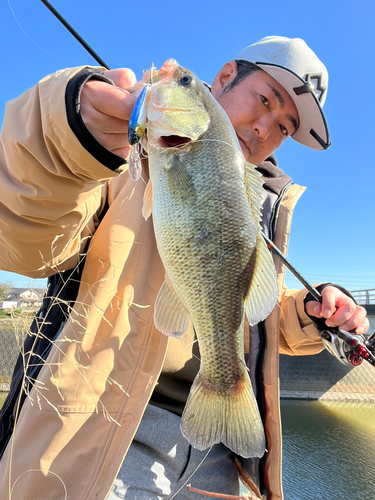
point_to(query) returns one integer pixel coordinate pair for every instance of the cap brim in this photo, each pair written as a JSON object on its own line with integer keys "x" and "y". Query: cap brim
{"x": 313, "y": 130}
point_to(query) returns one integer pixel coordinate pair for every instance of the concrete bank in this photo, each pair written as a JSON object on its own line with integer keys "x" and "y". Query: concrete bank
{"x": 323, "y": 377}
{"x": 301, "y": 377}
{"x": 9, "y": 351}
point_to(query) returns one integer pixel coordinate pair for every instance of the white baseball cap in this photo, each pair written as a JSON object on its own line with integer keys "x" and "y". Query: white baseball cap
{"x": 296, "y": 67}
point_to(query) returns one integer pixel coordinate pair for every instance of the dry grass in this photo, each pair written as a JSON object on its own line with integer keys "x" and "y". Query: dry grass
{"x": 19, "y": 322}
{"x": 6, "y": 324}
{"x": 16, "y": 320}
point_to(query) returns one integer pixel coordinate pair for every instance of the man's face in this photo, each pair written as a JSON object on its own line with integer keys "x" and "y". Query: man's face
{"x": 261, "y": 111}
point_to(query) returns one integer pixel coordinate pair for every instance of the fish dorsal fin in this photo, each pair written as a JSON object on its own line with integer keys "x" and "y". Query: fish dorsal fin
{"x": 170, "y": 316}
{"x": 262, "y": 294}
{"x": 147, "y": 201}
{"x": 254, "y": 189}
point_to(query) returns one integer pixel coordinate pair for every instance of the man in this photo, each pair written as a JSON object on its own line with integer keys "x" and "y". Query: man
{"x": 65, "y": 193}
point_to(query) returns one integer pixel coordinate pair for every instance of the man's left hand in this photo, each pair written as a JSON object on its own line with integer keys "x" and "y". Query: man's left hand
{"x": 339, "y": 311}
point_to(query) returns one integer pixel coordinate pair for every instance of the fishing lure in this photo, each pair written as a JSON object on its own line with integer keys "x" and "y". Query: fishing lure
{"x": 137, "y": 129}
{"x": 137, "y": 122}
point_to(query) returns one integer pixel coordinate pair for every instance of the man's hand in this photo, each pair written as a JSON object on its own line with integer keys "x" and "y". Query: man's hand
{"x": 340, "y": 310}
{"x": 106, "y": 110}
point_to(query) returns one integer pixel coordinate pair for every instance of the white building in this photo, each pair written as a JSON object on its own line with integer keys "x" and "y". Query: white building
{"x": 23, "y": 297}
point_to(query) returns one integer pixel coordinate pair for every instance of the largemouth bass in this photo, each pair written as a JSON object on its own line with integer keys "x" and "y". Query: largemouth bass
{"x": 205, "y": 202}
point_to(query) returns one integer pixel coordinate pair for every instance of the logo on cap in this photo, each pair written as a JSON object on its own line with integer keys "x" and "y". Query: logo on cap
{"x": 313, "y": 84}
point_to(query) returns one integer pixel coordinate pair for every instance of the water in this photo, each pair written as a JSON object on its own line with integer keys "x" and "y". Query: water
{"x": 328, "y": 450}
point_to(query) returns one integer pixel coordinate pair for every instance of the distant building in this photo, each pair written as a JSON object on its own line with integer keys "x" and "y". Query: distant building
{"x": 23, "y": 297}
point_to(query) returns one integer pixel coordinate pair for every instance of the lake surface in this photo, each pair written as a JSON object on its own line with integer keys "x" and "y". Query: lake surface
{"x": 328, "y": 450}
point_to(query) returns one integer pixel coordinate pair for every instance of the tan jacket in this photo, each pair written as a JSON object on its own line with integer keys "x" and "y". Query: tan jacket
{"x": 74, "y": 431}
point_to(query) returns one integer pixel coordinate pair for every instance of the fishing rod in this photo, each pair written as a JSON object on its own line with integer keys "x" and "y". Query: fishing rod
{"x": 349, "y": 348}
{"x": 76, "y": 35}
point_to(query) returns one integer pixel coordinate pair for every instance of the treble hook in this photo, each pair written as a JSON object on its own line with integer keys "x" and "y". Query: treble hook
{"x": 152, "y": 73}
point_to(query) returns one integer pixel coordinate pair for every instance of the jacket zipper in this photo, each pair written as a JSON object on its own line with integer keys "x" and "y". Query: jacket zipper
{"x": 262, "y": 350}
{"x": 275, "y": 211}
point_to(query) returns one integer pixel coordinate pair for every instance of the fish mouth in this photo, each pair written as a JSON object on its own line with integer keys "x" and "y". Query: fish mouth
{"x": 173, "y": 141}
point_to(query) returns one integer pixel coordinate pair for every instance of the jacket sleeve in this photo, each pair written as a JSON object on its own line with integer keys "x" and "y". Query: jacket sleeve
{"x": 52, "y": 174}
{"x": 299, "y": 336}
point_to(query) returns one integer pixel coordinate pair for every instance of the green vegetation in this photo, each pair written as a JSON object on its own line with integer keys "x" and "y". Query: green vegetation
{"x": 17, "y": 320}
{"x": 5, "y": 288}
{"x": 3, "y": 396}
{"x": 7, "y": 313}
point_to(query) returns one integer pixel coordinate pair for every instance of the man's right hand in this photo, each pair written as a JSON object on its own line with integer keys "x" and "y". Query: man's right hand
{"x": 106, "y": 110}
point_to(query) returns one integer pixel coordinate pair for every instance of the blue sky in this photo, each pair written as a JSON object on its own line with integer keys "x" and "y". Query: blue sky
{"x": 333, "y": 230}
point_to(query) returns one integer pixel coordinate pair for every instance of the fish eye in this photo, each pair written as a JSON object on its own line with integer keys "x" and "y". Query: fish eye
{"x": 186, "y": 79}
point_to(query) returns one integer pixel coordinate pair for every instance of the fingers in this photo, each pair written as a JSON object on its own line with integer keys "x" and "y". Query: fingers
{"x": 337, "y": 306}
{"x": 106, "y": 109}
{"x": 340, "y": 311}
{"x": 107, "y": 99}
{"x": 124, "y": 152}
{"x": 314, "y": 309}
{"x": 123, "y": 77}
{"x": 357, "y": 323}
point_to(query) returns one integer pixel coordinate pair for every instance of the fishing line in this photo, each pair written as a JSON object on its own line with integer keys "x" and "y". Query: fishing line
{"x": 194, "y": 356}
{"x": 191, "y": 475}
{"x": 215, "y": 140}
{"x": 165, "y": 151}
{"x": 33, "y": 41}
{"x": 204, "y": 140}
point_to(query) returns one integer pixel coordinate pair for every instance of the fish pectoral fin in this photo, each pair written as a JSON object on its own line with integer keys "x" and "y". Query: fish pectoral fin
{"x": 229, "y": 416}
{"x": 254, "y": 189}
{"x": 179, "y": 180}
{"x": 262, "y": 294}
{"x": 170, "y": 315}
{"x": 147, "y": 201}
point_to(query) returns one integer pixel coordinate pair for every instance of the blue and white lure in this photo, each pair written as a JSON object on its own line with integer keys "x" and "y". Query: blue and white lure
{"x": 137, "y": 129}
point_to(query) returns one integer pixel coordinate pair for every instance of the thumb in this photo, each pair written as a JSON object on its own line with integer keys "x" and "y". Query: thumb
{"x": 314, "y": 308}
{"x": 123, "y": 77}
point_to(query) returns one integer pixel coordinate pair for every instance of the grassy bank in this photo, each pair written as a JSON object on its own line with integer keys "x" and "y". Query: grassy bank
{"x": 6, "y": 323}
{"x": 17, "y": 320}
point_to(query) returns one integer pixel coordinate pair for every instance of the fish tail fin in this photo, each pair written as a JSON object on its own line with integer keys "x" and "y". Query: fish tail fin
{"x": 230, "y": 417}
